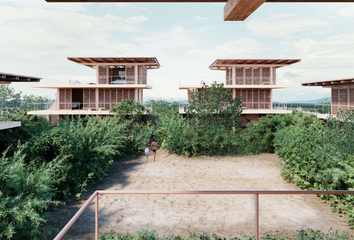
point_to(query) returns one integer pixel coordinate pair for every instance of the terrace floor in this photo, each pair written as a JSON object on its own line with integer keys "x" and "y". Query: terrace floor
{"x": 225, "y": 215}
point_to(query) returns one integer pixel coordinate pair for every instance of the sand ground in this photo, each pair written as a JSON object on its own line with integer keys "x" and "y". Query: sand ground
{"x": 225, "y": 215}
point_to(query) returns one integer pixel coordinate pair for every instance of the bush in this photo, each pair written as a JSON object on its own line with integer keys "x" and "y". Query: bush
{"x": 31, "y": 125}
{"x": 25, "y": 195}
{"x": 89, "y": 146}
{"x": 320, "y": 156}
{"x": 262, "y": 133}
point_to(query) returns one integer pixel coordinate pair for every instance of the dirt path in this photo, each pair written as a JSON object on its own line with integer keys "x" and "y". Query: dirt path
{"x": 224, "y": 215}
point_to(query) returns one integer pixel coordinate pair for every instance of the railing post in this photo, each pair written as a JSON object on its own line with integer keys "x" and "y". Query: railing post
{"x": 96, "y": 218}
{"x": 257, "y": 215}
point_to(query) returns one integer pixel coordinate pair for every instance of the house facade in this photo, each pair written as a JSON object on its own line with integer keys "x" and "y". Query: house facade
{"x": 342, "y": 93}
{"x": 116, "y": 79}
{"x": 252, "y": 80}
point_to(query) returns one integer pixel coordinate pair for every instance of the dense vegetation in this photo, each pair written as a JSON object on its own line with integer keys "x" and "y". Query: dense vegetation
{"x": 320, "y": 155}
{"x": 43, "y": 164}
{"x": 303, "y": 234}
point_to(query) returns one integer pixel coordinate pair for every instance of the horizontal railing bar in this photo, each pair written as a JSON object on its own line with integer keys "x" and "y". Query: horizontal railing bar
{"x": 62, "y": 233}
{"x": 75, "y": 217}
{"x": 274, "y": 192}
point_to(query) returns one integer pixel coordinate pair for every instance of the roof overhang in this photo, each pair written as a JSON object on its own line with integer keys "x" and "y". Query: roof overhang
{"x": 8, "y": 125}
{"x": 223, "y": 64}
{"x": 190, "y": 87}
{"x": 148, "y": 62}
{"x": 94, "y": 86}
{"x": 330, "y": 83}
{"x": 7, "y": 78}
{"x": 234, "y": 10}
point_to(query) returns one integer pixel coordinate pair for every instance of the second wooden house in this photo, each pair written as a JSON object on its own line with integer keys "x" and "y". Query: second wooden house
{"x": 117, "y": 78}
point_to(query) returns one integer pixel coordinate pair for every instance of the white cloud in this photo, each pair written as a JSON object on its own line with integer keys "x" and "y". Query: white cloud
{"x": 176, "y": 36}
{"x": 285, "y": 25}
{"x": 199, "y": 18}
{"x": 339, "y": 46}
{"x": 241, "y": 48}
{"x": 346, "y": 12}
{"x": 57, "y": 31}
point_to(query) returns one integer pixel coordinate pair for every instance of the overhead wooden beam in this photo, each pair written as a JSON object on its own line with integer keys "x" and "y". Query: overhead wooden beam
{"x": 201, "y": 1}
{"x": 239, "y": 10}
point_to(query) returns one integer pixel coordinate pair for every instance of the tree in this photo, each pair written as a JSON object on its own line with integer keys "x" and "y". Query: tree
{"x": 8, "y": 97}
{"x": 139, "y": 133}
{"x": 128, "y": 109}
{"x": 214, "y": 105}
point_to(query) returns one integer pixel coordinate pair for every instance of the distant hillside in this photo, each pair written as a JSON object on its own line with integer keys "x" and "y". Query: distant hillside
{"x": 314, "y": 101}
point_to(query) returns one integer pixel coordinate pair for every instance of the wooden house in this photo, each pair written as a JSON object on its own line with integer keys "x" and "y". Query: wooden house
{"x": 342, "y": 93}
{"x": 253, "y": 80}
{"x": 116, "y": 79}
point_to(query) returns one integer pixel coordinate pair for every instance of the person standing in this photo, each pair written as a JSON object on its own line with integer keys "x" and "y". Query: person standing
{"x": 147, "y": 150}
{"x": 154, "y": 146}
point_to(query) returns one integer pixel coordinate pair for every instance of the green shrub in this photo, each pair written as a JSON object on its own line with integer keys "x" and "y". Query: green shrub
{"x": 89, "y": 146}
{"x": 320, "y": 156}
{"x": 25, "y": 195}
{"x": 31, "y": 125}
{"x": 262, "y": 133}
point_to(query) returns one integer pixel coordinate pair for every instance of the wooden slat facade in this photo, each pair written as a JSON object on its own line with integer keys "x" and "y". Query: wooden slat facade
{"x": 65, "y": 98}
{"x": 342, "y": 98}
{"x": 252, "y": 76}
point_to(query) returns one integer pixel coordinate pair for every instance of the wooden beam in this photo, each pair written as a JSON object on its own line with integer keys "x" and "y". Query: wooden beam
{"x": 239, "y": 10}
{"x": 5, "y": 82}
{"x": 201, "y": 1}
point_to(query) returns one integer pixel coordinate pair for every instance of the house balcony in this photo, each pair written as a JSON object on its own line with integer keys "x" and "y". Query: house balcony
{"x": 197, "y": 83}
{"x": 90, "y": 82}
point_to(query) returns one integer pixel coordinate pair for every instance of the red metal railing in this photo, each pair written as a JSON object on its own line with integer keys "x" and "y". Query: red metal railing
{"x": 193, "y": 192}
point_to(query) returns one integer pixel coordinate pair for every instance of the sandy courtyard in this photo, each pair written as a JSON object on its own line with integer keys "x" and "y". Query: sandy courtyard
{"x": 225, "y": 215}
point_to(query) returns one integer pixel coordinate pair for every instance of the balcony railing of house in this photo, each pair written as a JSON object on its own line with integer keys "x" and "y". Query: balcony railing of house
{"x": 226, "y": 81}
{"x": 122, "y": 80}
{"x": 77, "y": 80}
{"x": 256, "y": 193}
{"x": 6, "y": 107}
{"x": 304, "y": 107}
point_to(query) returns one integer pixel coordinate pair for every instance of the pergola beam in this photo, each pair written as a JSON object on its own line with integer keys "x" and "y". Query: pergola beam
{"x": 234, "y": 10}
{"x": 239, "y": 10}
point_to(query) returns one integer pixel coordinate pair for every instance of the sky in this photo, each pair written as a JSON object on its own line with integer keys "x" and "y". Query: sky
{"x": 36, "y": 38}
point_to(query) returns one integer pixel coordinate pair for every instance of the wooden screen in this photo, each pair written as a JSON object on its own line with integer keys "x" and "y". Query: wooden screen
{"x": 103, "y": 75}
{"x": 248, "y": 76}
{"x": 266, "y": 76}
{"x": 89, "y": 98}
{"x": 229, "y": 76}
{"x": 142, "y": 75}
{"x": 342, "y": 98}
{"x": 254, "y": 98}
{"x": 256, "y": 76}
{"x": 239, "y": 76}
{"x": 108, "y": 98}
{"x": 253, "y": 76}
{"x": 241, "y": 93}
{"x": 65, "y": 96}
{"x": 129, "y": 75}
